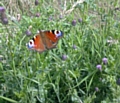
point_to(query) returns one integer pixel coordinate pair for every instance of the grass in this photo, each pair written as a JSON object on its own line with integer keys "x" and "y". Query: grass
{"x": 30, "y": 77}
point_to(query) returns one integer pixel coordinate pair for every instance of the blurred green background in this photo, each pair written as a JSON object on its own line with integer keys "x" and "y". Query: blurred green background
{"x": 83, "y": 68}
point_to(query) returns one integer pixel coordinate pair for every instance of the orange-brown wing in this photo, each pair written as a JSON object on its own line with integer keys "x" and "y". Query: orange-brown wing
{"x": 45, "y": 40}
{"x": 50, "y": 38}
{"x": 39, "y": 45}
{"x": 36, "y": 43}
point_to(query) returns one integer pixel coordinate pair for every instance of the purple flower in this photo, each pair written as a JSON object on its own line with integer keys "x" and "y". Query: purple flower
{"x": 5, "y": 21}
{"x": 50, "y": 18}
{"x": 4, "y": 18}
{"x": 2, "y": 9}
{"x": 80, "y": 20}
{"x": 28, "y": 32}
{"x": 99, "y": 67}
{"x": 37, "y": 15}
{"x": 118, "y": 81}
{"x": 74, "y": 22}
{"x": 60, "y": 16}
{"x": 64, "y": 57}
{"x": 96, "y": 89}
{"x": 1, "y": 57}
{"x": 36, "y": 2}
{"x": 74, "y": 47}
{"x": 105, "y": 60}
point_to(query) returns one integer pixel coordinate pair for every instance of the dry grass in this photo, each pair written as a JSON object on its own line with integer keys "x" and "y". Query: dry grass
{"x": 15, "y": 7}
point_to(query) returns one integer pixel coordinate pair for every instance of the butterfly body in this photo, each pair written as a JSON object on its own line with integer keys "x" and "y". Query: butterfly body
{"x": 45, "y": 40}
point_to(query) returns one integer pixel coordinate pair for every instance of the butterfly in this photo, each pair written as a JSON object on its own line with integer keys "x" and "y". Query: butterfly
{"x": 45, "y": 40}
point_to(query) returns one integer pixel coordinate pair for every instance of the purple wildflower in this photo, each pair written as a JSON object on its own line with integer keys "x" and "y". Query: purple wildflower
{"x": 50, "y": 18}
{"x": 4, "y": 18}
{"x": 37, "y": 15}
{"x": 2, "y": 9}
{"x": 118, "y": 81}
{"x": 60, "y": 16}
{"x": 64, "y": 57}
{"x": 74, "y": 47}
{"x": 5, "y": 21}
{"x": 96, "y": 89}
{"x": 36, "y": 2}
{"x": 74, "y": 22}
{"x": 1, "y": 57}
{"x": 99, "y": 67}
{"x": 105, "y": 60}
{"x": 28, "y": 32}
{"x": 80, "y": 20}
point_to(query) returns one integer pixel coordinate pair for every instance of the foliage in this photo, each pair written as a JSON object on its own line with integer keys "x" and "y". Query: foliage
{"x": 91, "y": 33}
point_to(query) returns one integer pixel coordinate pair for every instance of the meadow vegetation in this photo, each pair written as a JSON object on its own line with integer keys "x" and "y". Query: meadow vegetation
{"x": 83, "y": 68}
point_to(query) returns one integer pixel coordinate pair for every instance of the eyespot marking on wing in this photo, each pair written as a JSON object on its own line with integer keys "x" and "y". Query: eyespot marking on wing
{"x": 45, "y": 40}
{"x": 58, "y": 33}
{"x": 30, "y": 45}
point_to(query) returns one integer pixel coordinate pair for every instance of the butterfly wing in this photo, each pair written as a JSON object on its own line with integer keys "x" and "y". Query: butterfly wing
{"x": 36, "y": 43}
{"x": 45, "y": 40}
{"x": 50, "y": 38}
